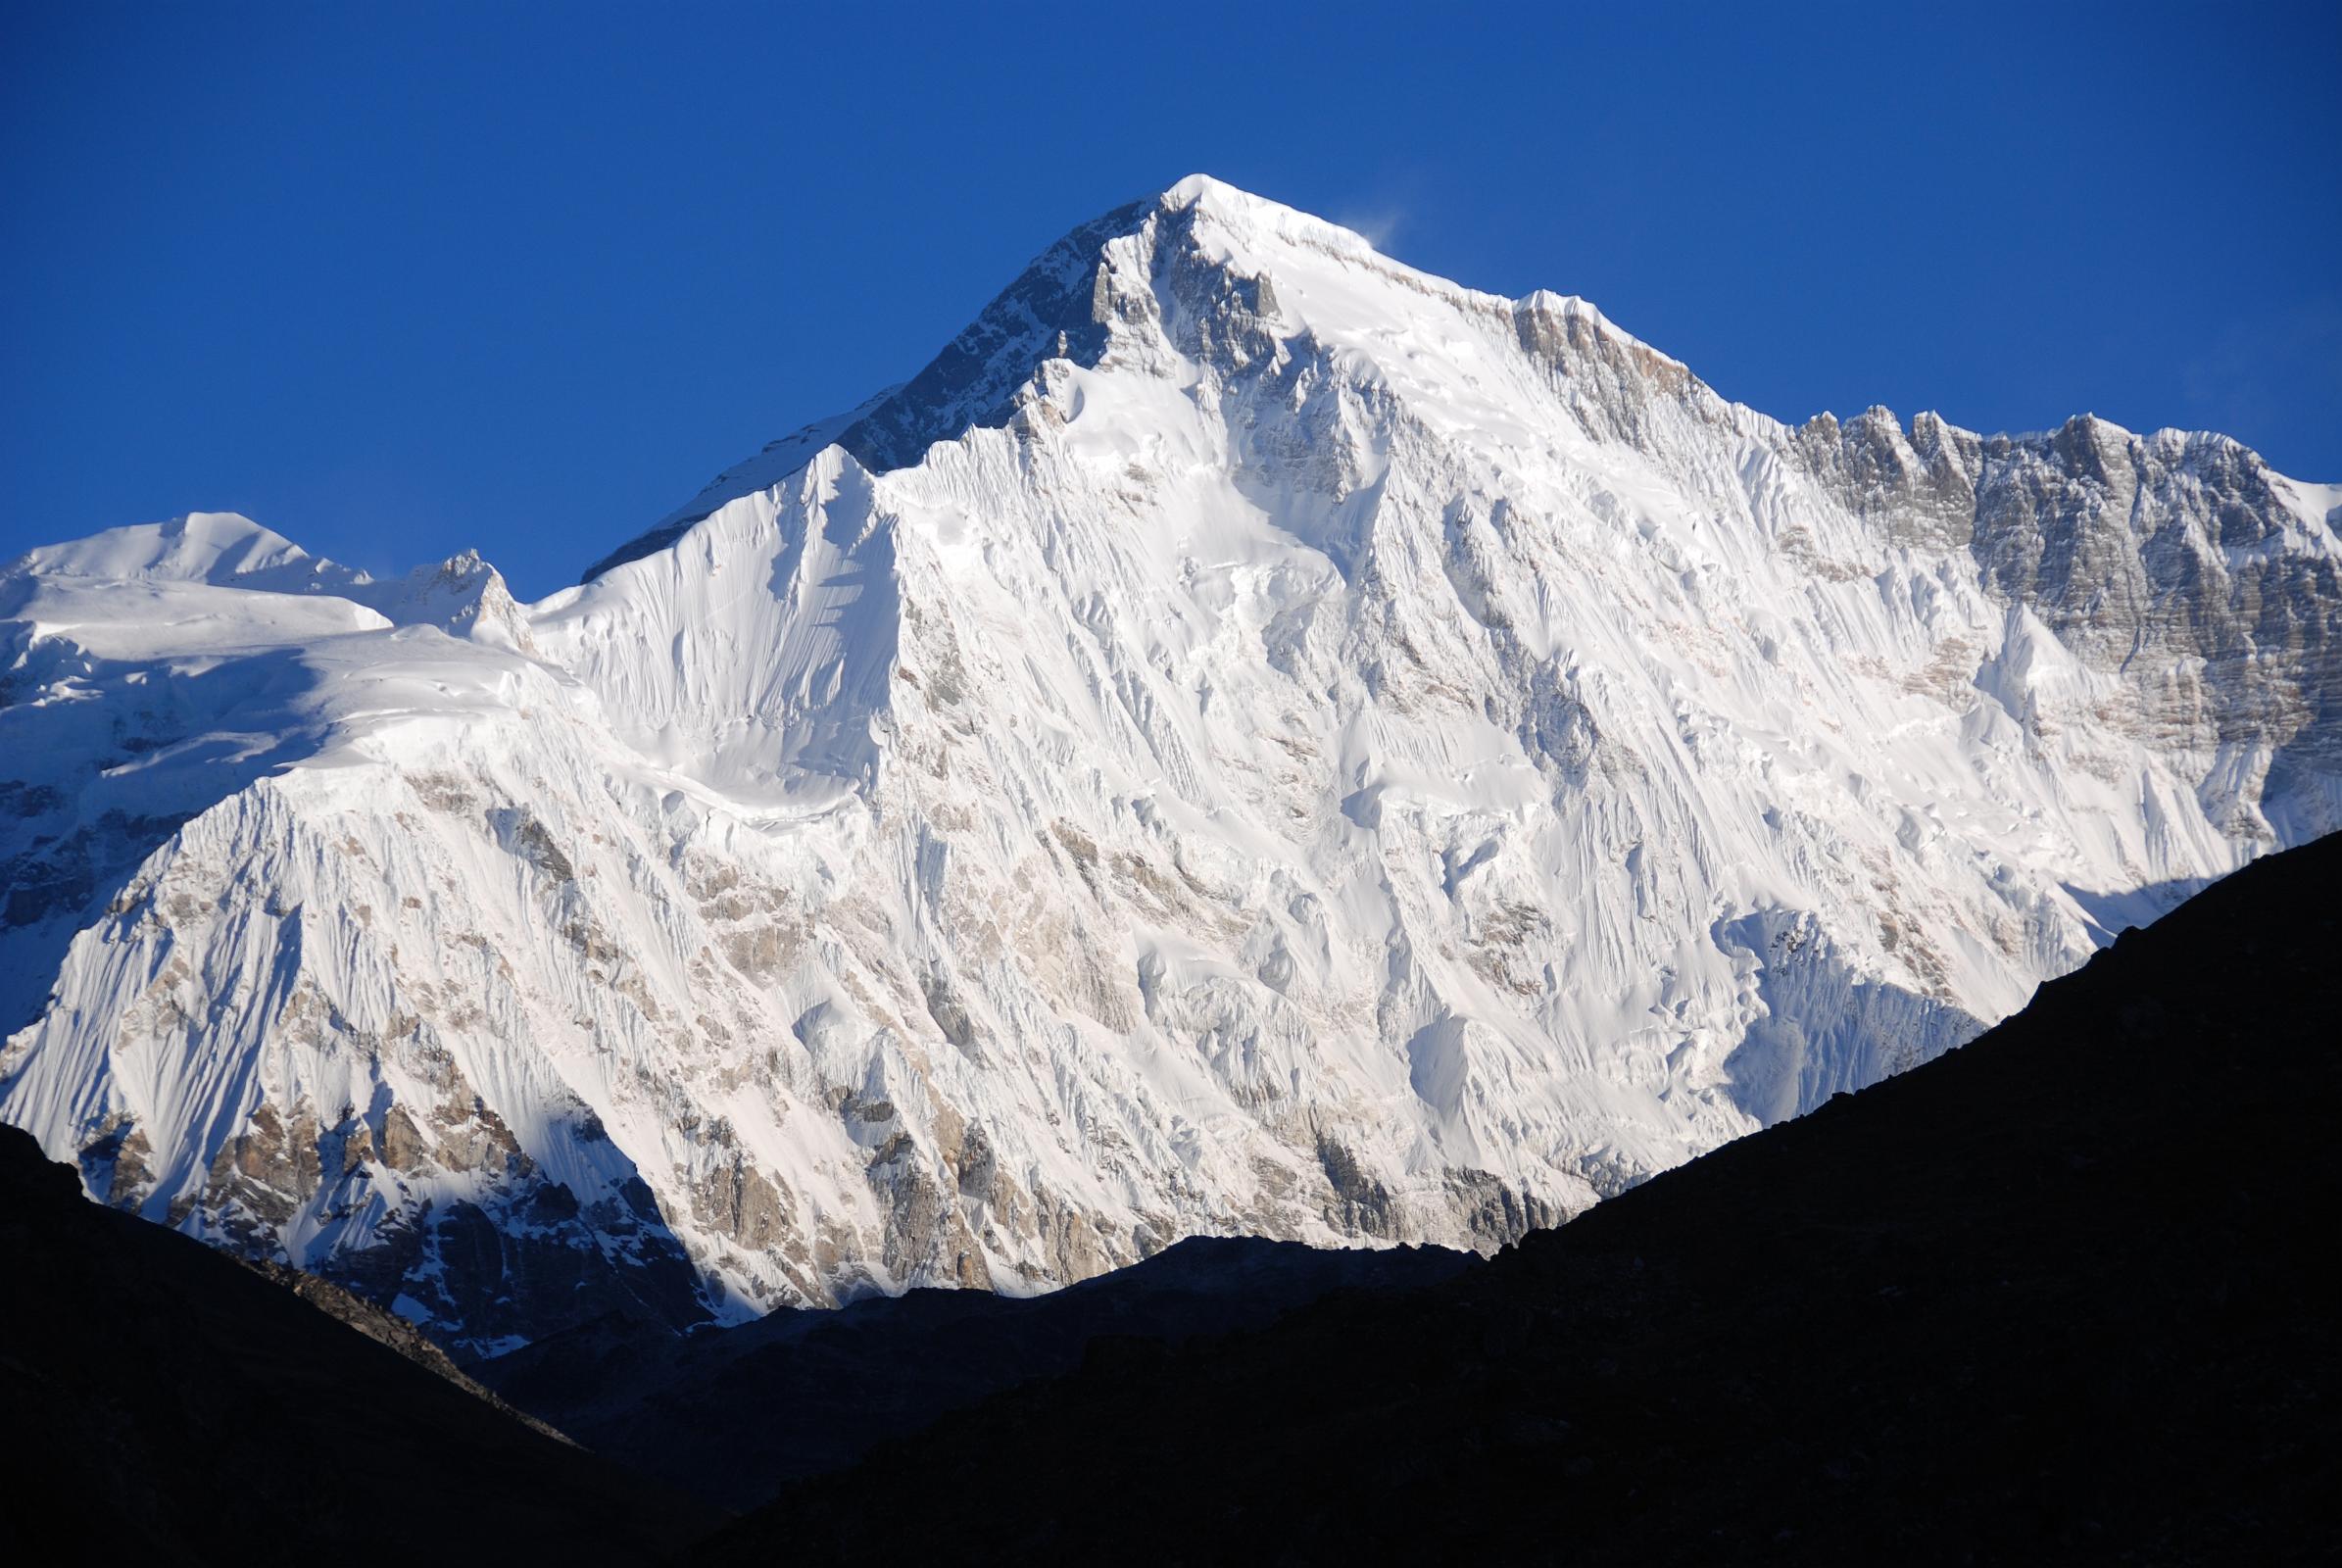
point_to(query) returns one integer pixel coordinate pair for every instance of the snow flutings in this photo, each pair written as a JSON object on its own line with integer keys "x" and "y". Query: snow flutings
{"x": 1252, "y": 739}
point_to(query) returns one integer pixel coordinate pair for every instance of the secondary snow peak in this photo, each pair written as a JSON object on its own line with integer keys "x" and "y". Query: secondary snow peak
{"x": 198, "y": 547}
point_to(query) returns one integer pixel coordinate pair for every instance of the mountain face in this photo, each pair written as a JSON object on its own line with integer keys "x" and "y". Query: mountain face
{"x": 2061, "y": 1297}
{"x": 1254, "y": 739}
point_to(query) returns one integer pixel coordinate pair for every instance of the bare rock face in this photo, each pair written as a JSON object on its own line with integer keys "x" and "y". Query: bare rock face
{"x": 2170, "y": 565}
{"x": 1254, "y": 739}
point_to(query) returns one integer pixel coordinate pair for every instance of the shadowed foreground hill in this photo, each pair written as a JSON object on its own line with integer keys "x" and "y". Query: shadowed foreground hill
{"x": 2063, "y": 1295}
{"x": 732, "y": 1416}
{"x": 160, "y": 1397}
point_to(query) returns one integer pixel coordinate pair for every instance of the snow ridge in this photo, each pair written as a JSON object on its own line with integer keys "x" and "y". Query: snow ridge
{"x": 1252, "y": 739}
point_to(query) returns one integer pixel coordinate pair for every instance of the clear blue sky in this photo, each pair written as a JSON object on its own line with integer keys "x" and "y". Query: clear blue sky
{"x": 398, "y": 279}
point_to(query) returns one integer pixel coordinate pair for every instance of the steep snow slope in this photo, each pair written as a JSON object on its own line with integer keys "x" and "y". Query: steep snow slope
{"x": 1253, "y": 738}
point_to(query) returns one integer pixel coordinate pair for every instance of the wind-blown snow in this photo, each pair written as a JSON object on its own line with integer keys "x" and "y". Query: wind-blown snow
{"x": 1254, "y": 738}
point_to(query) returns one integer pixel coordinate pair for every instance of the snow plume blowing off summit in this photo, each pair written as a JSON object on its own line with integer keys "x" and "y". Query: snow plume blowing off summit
{"x": 1252, "y": 739}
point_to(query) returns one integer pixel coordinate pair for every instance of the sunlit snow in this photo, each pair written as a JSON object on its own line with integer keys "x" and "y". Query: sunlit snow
{"x": 1325, "y": 753}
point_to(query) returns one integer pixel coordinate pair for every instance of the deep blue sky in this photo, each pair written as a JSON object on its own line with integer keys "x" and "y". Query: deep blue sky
{"x": 400, "y": 279}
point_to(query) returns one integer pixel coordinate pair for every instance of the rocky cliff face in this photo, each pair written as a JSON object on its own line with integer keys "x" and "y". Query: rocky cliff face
{"x": 1254, "y": 739}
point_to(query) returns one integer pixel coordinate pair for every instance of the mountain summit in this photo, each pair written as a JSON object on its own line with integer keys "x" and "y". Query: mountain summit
{"x": 1252, "y": 739}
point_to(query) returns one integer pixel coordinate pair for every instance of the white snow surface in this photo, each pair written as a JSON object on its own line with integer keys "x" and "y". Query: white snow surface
{"x": 1257, "y": 739}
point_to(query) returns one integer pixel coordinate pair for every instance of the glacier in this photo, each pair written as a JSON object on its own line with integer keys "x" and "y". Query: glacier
{"x": 1254, "y": 739}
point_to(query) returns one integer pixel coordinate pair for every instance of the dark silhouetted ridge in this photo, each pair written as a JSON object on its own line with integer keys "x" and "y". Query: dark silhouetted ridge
{"x": 162, "y": 1398}
{"x": 731, "y": 1415}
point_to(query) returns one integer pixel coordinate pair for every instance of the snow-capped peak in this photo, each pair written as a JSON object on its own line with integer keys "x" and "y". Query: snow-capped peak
{"x": 1264, "y": 224}
{"x": 212, "y": 547}
{"x": 1253, "y": 737}
{"x": 1064, "y": 307}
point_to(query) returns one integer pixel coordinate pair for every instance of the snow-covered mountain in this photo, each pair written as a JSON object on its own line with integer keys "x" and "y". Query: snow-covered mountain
{"x": 1252, "y": 739}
